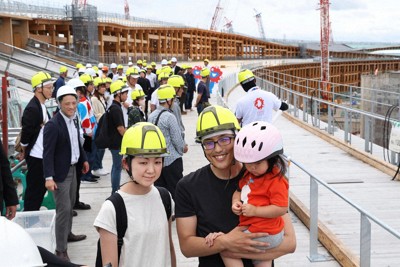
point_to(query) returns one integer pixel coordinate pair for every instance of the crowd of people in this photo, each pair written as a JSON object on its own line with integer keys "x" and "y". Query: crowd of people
{"x": 222, "y": 213}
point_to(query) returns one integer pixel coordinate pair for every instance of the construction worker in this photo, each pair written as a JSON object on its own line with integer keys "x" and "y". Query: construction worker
{"x": 202, "y": 95}
{"x": 60, "y": 81}
{"x": 152, "y": 77}
{"x": 34, "y": 118}
{"x": 257, "y": 104}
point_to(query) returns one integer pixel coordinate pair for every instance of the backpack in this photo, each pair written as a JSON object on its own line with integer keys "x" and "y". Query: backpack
{"x": 122, "y": 220}
{"x": 102, "y": 136}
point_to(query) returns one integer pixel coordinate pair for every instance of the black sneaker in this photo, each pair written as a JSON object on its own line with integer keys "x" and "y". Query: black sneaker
{"x": 89, "y": 180}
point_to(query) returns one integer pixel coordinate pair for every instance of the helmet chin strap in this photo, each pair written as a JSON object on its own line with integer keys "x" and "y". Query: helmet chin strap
{"x": 129, "y": 170}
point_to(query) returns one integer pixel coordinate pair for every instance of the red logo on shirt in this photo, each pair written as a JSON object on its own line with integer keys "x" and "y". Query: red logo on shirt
{"x": 259, "y": 103}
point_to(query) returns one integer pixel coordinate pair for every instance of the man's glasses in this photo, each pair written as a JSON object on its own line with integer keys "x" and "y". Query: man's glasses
{"x": 223, "y": 141}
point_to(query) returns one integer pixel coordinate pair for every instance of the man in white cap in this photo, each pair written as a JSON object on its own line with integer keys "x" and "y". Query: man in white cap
{"x": 113, "y": 72}
{"x": 175, "y": 68}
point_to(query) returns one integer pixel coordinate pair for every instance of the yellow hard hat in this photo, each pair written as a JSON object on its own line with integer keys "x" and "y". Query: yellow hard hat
{"x": 118, "y": 87}
{"x": 205, "y": 72}
{"x": 153, "y": 64}
{"x": 245, "y": 76}
{"x": 63, "y": 69}
{"x": 86, "y": 78}
{"x": 139, "y": 61}
{"x": 206, "y": 60}
{"x": 144, "y": 64}
{"x": 163, "y": 75}
{"x": 108, "y": 80}
{"x": 95, "y": 68}
{"x": 120, "y": 67}
{"x": 165, "y": 92}
{"x": 79, "y": 65}
{"x": 214, "y": 119}
{"x": 136, "y": 94}
{"x": 167, "y": 69}
{"x": 40, "y": 78}
{"x": 99, "y": 81}
{"x": 132, "y": 71}
{"x": 176, "y": 81}
{"x": 144, "y": 139}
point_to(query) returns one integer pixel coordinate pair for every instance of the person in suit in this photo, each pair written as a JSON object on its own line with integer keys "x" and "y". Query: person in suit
{"x": 62, "y": 154}
{"x": 8, "y": 194}
{"x": 34, "y": 118}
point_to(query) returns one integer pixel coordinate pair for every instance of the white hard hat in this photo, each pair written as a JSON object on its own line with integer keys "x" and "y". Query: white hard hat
{"x": 164, "y": 62}
{"x": 130, "y": 63}
{"x": 113, "y": 66}
{"x": 17, "y": 247}
{"x": 100, "y": 65}
{"x": 88, "y": 65}
{"x": 91, "y": 72}
{"x": 174, "y": 59}
{"x": 75, "y": 83}
{"x": 66, "y": 90}
{"x": 82, "y": 69}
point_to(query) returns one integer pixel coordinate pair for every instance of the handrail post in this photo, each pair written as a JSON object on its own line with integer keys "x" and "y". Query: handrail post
{"x": 314, "y": 256}
{"x": 365, "y": 241}
{"x": 4, "y": 110}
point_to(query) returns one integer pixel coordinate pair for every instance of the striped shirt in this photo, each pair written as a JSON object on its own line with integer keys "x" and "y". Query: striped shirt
{"x": 169, "y": 126}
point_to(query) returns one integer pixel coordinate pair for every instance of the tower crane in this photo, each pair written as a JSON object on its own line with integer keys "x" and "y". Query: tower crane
{"x": 217, "y": 17}
{"x": 126, "y": 9}
{"x": 260, "y": 24}
{"x": 325, "y": 31}
{"x": 228, "y": 25}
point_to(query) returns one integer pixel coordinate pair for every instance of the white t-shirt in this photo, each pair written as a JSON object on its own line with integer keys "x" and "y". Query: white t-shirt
{"x": 257, "y": 105}
{"x": 154, "y": 98}
{"x": 146, "y": 241}
{"x": 37, "y": 149}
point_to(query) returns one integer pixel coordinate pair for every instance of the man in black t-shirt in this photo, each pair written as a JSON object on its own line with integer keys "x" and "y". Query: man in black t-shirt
{"x": 116, "y": 130}
{"x": 203, "y": 199}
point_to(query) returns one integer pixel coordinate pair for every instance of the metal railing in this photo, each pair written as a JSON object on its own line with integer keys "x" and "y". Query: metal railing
{"x": 358, "y": 114}
{"x": 365, "y": 219}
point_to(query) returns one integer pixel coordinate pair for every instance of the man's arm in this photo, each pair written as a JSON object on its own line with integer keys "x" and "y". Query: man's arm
{"x": 194, "y": 246}
{"x": 288, "y": 245}
{"x": 121, "y": 129}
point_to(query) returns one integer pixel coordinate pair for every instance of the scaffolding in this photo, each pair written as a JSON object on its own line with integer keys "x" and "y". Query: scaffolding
{"x": 84, "y": 30}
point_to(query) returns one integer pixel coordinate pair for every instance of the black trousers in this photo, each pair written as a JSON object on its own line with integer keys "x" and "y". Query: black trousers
{"x": 35, "y": 184}
{"x": 170, "y": 176}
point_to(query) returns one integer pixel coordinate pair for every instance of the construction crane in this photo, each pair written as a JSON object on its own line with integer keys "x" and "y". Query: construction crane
{"x": 126, "y": 9}
{"x": 325, "y": 31}
{"x": 217, "y": 17}
{"x": 260, "y": 24}
{"x": 228, "y": 25}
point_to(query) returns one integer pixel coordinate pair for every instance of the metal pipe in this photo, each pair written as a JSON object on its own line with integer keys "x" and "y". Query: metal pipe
{"x": 4, "y": 110}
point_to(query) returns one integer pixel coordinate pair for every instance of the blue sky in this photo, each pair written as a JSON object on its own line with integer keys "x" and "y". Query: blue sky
{"x": 352, "y": 20}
